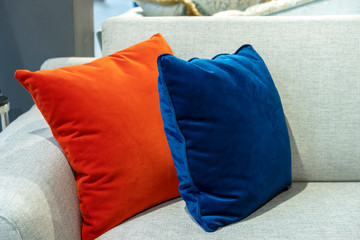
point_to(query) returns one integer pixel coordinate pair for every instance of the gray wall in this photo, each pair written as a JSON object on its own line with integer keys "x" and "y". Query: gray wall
{"x": 32, "y": 31}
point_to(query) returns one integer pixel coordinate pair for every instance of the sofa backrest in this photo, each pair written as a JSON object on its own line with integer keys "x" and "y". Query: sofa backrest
{"x": 315, "y": 63}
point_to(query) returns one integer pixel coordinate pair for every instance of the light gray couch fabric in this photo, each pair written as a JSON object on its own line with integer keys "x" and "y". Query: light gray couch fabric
{"x": 306, "y": 211}
{"x": 315, "y": 65}
{"x": 38, "y": 198}
{"x": 8, "y": 230}
{"x": 53, "y": 63}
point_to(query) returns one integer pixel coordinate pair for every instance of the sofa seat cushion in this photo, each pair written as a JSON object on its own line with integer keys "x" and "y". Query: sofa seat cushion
{"x": 314, "y": 210}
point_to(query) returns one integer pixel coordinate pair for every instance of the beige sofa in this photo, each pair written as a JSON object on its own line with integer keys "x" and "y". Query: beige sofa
{"x": 315, "y": 63}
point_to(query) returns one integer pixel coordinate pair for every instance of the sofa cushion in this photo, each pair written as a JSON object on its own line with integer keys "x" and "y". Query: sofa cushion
{"x": 226, "y": 129}
{"x": 106, "y": 117}
{"x": 314, "y": 210}
{"x": 324, "y": 125}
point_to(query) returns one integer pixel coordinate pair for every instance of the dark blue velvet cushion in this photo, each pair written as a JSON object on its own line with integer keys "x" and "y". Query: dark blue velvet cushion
{"x": 226, "y": 129}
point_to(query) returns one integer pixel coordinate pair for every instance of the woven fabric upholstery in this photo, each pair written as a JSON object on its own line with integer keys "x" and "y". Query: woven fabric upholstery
{"x": 307, "y": 211}
{"x": 38, "y": 198}
{"x": 8, "y": 230}
{"x": 311, "y": 60}
{"x": 53, "y": 63}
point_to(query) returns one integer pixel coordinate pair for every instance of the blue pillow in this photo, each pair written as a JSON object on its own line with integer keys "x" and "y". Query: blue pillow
{"x": 227, "y": 134}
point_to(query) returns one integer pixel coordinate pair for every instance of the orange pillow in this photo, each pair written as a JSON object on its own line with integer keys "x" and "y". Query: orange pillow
{"x": 106, "y": 116}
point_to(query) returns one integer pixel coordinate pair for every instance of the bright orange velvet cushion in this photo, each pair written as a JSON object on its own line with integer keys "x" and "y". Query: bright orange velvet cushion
{"x": 106, "y": 117}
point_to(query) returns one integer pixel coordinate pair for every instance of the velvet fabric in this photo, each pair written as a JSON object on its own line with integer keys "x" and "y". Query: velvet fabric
{"x": 106, "y": 117}
{"x": 226, "y": 129}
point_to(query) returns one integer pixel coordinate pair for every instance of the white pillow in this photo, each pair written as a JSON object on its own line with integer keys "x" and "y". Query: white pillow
{"x": 155, "y": 9}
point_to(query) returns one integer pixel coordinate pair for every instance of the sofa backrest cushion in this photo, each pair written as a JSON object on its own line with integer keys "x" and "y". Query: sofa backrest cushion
{"x": 314, "y": 62}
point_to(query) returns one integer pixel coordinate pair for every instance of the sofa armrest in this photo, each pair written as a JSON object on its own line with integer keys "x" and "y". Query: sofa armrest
{"x": 38, "y": 197}
{"x": 53, "y": 63}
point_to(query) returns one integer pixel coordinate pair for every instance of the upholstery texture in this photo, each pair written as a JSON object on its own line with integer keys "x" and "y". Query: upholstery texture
{"x": 307, "y": 211}
{"x": 106, "y": 117}
{"x": 311, "y": 73}
{"x": 226, "y": 129}
{"x": 53, "y": 63}
{"x": 8, "y": 230}
{"x": 36, "y": 180}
